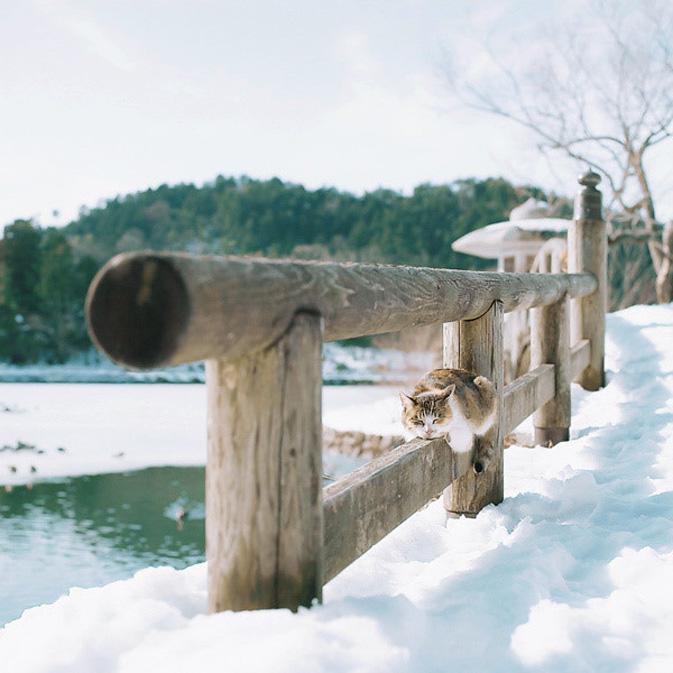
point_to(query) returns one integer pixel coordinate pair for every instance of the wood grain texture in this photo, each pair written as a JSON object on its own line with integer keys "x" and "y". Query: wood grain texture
{"x": 580, "y": 356}
{"x": 264, "y": 475}
{"x": 523, "y": 396}
{"x": 363, "y": 507}
{"x": 664, "y": 282}
{"x": 157, "y": 309}
{"x": 550, "y": 345}
{"x": 476, "y": 345}
{"x": 587, "y": 252}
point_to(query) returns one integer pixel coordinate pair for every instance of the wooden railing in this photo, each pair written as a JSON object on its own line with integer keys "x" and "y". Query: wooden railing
{"x": 274, "y": 536}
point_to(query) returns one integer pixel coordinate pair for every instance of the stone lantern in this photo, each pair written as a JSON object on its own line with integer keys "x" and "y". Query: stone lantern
{"x": 530, "y": 241}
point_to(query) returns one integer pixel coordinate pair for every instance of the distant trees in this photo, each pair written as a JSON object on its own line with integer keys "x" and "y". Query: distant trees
{"x": 47, "y": 271}
{"x": 244, "y": 216}
{"x": 41, "y": 310}
{"x": 21, "y": 301}
{"x": 22, "y": 259}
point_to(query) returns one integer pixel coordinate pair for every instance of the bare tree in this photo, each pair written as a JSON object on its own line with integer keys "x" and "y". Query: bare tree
{"x": 601, "y": 93}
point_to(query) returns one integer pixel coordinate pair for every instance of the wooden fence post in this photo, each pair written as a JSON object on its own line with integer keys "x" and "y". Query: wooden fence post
{"x": 664, "y": 282}
{"x": 264, "y": 530}
{"x": 549, "y": 344}
{"x": 588, "y": 251}
{"x": 476, "y": 345}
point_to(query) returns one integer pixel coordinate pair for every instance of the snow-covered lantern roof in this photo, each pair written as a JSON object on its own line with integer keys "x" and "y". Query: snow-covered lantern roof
{"x": 524, "y": 233}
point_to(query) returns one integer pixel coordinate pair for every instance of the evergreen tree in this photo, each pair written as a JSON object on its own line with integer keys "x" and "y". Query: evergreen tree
{"x": 22, "y": 264}
{"x": 47, "y": 271}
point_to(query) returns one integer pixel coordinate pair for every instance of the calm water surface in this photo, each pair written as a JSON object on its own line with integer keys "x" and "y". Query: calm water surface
{"x": 87, "y": 531}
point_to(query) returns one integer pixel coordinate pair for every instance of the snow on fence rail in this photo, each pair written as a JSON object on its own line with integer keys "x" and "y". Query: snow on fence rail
{"x": 273, "y": 534}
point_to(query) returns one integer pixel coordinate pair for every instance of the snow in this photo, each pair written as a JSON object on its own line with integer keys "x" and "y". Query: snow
{"x": 504, "y": 238}
{"x": 78, "y": 428}
{"x": 530, "y": 209}
{"x": 573, "y": 572}
{"x": 342, "y": 364}
{"x": 79, "y": 431}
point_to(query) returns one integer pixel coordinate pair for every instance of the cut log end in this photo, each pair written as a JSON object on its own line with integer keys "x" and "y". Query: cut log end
{"x": 137, "y": 308}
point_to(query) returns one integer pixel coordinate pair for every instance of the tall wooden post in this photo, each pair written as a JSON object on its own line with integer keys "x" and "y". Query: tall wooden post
{"x": 588, "y": 251}
{"x": 264, "y": 531}
{"x": 550, "y": 344}
{"x": 476, "y": 345}
{"x": 664, "y": 284}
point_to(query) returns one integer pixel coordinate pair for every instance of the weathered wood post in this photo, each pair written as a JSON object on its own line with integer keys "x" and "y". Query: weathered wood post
{"x": 476, "y": 345}
{"x": 264, "y": 530}
{"x": 588, "y": 251}
{"x": 664, "y": 283}
{"x": 550, "y": 344}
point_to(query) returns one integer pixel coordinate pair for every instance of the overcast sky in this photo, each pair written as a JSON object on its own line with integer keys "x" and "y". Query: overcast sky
{"x": 99, "y": 98}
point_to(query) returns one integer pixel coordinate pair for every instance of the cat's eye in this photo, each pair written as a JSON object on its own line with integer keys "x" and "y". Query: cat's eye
{"x": 417, "y": 422}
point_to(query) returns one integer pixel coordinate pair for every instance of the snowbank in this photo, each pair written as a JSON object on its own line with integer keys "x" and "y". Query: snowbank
{"x": 573, "y": 572}
{"x": 51, "y": 426}
{"x": 507, "y": 238}
{"x": 341, "y": 365}
{"x": 60, "y": 430}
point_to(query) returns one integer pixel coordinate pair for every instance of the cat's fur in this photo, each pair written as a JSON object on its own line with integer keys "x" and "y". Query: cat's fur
{"x": 455, "y": 404}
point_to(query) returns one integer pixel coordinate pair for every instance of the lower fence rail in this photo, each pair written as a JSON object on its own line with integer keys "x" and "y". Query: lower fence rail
{"x": 360, "y": 509}
{"x": 580, "y": 357}
{"x": 363, "y": 507}
{"x": 526, "y": 394}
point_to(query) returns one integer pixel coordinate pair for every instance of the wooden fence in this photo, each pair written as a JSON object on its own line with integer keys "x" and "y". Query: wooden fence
{"x": 274, "y": 536}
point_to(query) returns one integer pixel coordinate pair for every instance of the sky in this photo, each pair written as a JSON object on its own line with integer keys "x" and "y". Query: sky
{"x": 100, "y": 98}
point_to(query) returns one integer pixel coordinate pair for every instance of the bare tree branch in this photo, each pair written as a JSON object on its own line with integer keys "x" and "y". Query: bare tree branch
{"x": 603, "y": 97}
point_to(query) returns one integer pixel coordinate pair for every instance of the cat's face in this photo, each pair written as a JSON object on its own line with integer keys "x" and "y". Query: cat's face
{"x": 427, "y": 415}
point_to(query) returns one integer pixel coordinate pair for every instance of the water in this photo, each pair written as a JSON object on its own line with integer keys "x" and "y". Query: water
{"x": 90, "y": 530}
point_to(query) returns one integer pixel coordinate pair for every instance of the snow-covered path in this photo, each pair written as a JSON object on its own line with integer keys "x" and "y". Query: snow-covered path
{"x": 573, "y": 572}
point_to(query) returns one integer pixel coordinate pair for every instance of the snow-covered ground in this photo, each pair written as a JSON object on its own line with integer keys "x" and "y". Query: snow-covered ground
{"x": 573, "y": 572}
{"x": 342, "y": 364}
{"x": 71, "y": 429}
{"x": 51, "y": 426}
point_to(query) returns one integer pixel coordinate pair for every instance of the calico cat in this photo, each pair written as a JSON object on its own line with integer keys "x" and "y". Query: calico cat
{"x": 455, "y": 404}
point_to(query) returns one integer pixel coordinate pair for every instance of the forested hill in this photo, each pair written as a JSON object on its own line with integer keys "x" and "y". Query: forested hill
{"x": 44, "y": 272}
{"x": 244, "y": 216}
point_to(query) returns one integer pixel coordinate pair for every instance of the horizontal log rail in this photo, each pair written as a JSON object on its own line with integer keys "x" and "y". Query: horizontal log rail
{"x": 525, "y": 395}
{"x": 580, "y": 357}
{"x": 160, "y": 309}
{"x": 363, "y": 507}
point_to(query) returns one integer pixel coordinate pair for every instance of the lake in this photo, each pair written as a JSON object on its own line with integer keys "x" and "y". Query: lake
{"x": 92, "y": 499}
{"x": 91, "y": 530}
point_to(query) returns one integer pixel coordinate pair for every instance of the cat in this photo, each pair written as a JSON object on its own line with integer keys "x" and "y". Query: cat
{"x": 457, "y": 405}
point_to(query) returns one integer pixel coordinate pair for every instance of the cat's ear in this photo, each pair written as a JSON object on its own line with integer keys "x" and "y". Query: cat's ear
{"x": 407, "y": 401}
{"x": 447, "y": 392}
